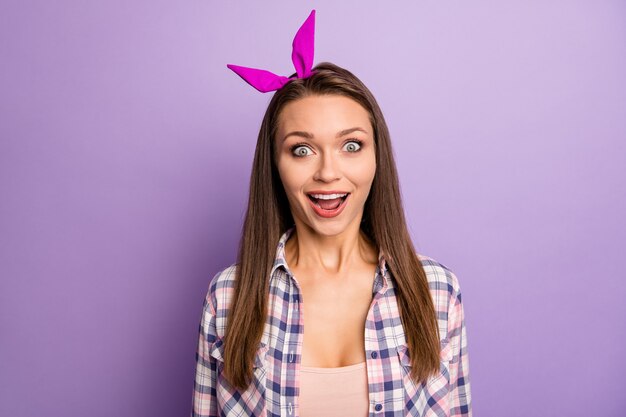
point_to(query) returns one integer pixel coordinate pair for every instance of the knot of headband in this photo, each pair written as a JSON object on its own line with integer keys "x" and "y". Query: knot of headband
{"x": 301, "y": 56}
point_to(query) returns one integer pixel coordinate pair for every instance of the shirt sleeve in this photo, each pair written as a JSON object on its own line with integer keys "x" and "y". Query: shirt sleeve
{"x": 204, "y": 402}
{"x": 460, "y": 398}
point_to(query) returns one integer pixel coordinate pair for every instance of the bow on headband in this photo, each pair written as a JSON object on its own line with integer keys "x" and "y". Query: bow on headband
{"x": 301, "y": 56}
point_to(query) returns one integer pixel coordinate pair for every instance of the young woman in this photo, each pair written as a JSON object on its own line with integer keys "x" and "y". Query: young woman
{"x": 329, "y": 311}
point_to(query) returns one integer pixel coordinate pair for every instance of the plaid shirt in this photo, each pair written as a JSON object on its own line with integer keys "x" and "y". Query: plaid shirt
{"x": 275, "y": 385}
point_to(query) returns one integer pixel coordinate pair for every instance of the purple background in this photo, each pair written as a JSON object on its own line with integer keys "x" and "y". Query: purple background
{"x": 125, "y": 155}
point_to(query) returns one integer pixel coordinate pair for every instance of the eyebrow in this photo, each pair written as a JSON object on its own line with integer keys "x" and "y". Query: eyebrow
{"x": 308, "y": 135}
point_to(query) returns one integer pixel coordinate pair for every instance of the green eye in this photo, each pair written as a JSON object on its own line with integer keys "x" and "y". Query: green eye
{"x": 353, "y": 146}
{"x": 300, "y": 150}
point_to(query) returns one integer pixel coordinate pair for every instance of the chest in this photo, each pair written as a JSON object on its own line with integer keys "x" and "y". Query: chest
{"x": 274, "y": 390}
{"x": 333, "y": 315}
{"x": 380, "y": 342}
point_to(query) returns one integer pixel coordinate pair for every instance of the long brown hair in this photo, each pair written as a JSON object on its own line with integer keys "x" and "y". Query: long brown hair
{"x": 268, "y": 216}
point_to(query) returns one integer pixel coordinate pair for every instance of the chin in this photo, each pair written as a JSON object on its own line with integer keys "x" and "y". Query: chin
{"x": 329, "y": 228}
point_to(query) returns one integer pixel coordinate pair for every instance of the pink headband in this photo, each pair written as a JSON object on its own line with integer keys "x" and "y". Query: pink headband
{"x": 301, "y": 56}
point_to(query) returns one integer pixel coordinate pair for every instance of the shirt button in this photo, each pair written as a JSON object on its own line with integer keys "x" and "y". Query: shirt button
{"x": 290, "y": 409}
{"x": 374, "y": 355}
{"x": 378, "y": 407}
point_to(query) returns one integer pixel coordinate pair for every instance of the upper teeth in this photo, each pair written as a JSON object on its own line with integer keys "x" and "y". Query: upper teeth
{"x": 328, "y": 196}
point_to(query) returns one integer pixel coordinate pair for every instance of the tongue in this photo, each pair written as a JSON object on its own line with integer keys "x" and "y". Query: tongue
{"x": 329, "y": 204}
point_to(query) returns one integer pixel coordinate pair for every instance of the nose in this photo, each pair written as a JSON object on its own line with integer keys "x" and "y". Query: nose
{"x": 328, "y": 169}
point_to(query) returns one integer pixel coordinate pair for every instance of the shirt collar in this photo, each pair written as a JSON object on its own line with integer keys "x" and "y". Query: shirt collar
{"x": 381, "y": 283}
{"x": 279, "y": 259}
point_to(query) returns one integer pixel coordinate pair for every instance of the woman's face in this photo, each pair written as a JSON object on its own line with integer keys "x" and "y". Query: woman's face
{"x": 326, "y": 161}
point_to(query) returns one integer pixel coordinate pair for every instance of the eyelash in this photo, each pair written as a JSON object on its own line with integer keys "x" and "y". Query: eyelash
{"x": 297, "y": 145}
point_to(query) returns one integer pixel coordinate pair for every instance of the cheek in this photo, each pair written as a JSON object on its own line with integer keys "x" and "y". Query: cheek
{"x": 363, "y": 173}
{"x": 291, "y": 178}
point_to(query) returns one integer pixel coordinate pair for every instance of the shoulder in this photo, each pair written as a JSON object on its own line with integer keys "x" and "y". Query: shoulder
{"x": 439, "y": 276}
{"x": 445, "y": 292}
{"x": 220, "y": 292}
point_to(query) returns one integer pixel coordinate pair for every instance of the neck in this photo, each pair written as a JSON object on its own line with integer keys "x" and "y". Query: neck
{"x": 335, "y": 254}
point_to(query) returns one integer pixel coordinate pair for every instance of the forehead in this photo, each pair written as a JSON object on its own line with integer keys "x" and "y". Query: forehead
{"x": 321, "y": 114}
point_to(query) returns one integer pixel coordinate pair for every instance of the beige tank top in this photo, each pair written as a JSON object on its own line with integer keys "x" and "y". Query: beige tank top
{"x": 334, "y": 392}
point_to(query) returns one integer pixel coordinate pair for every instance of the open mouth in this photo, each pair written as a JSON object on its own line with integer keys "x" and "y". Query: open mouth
{"x": 330, "y": 202}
